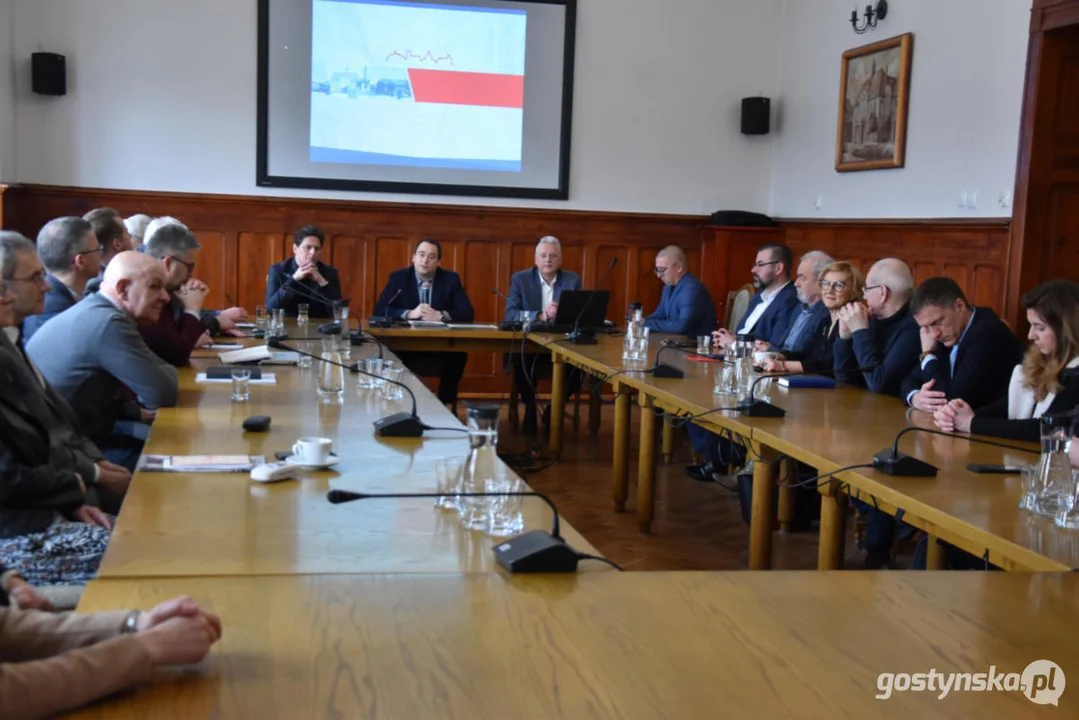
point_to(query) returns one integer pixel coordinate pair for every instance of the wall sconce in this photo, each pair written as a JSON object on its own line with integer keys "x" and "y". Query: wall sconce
{"x": 872, "y": 15}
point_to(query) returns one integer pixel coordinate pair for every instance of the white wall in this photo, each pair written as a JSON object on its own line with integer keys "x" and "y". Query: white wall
{"x": 965, "y": 99}
{"x": 7, "y": 92}
{"x": 656, "y": 101}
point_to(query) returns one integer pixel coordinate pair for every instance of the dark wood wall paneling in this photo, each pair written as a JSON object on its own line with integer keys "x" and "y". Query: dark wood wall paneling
{"x": 242, "y": 236}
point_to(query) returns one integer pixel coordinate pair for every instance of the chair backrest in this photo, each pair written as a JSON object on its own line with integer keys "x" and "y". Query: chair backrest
{"x": 737, "y": 304}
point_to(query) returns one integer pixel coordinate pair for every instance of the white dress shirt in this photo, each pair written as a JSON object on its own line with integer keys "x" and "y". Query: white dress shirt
{"x": 548, "y": 293}
{"x": 766, "y": 299}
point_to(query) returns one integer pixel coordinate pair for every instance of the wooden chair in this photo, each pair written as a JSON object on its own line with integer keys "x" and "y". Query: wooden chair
{"x": 737, "y": 305}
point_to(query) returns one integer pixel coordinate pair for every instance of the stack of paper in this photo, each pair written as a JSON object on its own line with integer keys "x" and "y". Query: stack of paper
{"x": 267, "y": 378}
{"x": 199, "y": 463}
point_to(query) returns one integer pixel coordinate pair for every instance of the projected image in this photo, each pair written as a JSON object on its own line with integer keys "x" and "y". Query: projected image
{"x": 399, "y": 83}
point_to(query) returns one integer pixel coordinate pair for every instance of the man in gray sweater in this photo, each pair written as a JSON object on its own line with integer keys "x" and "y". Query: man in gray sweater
{"x": 93, "y": 355}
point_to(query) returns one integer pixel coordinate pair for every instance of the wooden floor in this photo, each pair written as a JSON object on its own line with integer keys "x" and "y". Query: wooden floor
{"x": 698, "y": 526}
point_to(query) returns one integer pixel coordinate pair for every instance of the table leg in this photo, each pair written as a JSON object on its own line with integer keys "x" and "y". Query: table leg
{"x": 787, "y": 495}
{"x": 760, "y": 525}
{"x": 935, "y": 556}
{"x": 833, "y": 531}
{"x": 621, "y": 449}
{"x": 668, "y": 441}
{"x": 595, "y": 413}
{"x": 646, "y": 468}
{"x": 558, "y": 403}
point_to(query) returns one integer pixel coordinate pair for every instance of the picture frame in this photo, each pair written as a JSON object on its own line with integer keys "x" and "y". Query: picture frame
{"x": 874, "y": 99}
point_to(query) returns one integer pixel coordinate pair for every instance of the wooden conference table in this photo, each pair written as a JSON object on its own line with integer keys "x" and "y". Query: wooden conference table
{"x": 604, "y": 645}
{"x": 829, "y": 430}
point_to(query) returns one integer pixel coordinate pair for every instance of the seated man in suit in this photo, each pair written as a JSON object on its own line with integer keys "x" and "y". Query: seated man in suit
{"x": 968, "y": 353}
{"x": 686, "y": 306}
{"x": 136, "y": 227}
{"x": 767, "y": 319}
{"x": 809, "y": 315}
{"x": 425, "y": 291}
{"x": 110, "y": 231}
{"x": 538, "y": 290}
{"x": 93, "y": 351}
{"x": 304, "y": 278}
{"x": 768, "y": 316}
{"x": 879, "y": 335}
{"x": 48, "y": 469}
{"x": 69, "y": 250}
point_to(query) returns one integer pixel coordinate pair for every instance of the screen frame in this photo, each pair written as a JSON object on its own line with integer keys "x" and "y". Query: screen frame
{"x": 264, "y": 179}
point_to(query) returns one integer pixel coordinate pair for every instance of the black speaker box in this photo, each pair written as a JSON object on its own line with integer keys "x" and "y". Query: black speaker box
{"x": 756, "y": 115}
{"x": 48, "y": 73}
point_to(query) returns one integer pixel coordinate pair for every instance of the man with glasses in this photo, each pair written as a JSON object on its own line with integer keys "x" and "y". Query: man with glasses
{"x": 69, "y": 250}
{"x": 810, "y": 315}
{"x": 110, "y": 231}
{"x": 686, "y": 306}
{"x": 180, "y": 327}
{"x": 769, "y": 314}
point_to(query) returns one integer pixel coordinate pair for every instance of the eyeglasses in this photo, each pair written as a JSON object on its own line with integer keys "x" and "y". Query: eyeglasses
{"x": 36, "y": 278}
{"x": 98, "y": 249}
{"x": 865, "y": 291}
{"x": 759, "y": 265}
{"x": 190, "y": 266}
{"x": 838, "y": 285}
{"x": 660, "y": 270}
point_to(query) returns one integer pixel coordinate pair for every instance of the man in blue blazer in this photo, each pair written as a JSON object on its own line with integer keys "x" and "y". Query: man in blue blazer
{"x": 69, "y": 250}
{"x": 686, "y": 306}
{"x": 538, "y": 290}
{"x": 769, "y": 314}
{"x": 304, "y": 278}
{"x": 425, "y": 291}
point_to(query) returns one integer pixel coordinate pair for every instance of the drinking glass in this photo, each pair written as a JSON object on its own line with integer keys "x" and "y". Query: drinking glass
{"x": 641, "y": 351}
{"x": 527, "y": 316}
{"x": 1026, "y": 498}
{"x": 704, "y": 344}
{"x": 331, "y": 376}
{"x": 241, "y": 381}
{"x": 392, "y": 372}
{"x": 1068, "y": 517}
{"x": 372, "y": 365}
{"x": 448, "y": 473}
{"x": 278, "y": 322}
{"x": 301, "y": 314}
{"x": 262, "y": 318}
{"x": 504, "y": 516}
{"x": 304, "y": 361}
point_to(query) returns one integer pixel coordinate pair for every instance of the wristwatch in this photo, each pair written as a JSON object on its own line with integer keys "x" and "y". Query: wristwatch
{"x": 131, "y": 623}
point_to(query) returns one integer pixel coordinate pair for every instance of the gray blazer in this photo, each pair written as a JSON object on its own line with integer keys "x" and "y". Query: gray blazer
{"x": 41, "y": 450}
{"x": 90, "y": 353}
{"x": 526, "y": 291}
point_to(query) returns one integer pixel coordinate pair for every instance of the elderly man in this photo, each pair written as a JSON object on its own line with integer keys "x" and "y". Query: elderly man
{"x": 177, "y": 249}
{"x": 879, "y": 336}
{"x": 110, "y": 231}
{"x": 686, "y": 306}
{"x": 69, "y": 250}
{"x": 49, "y": 472}
{"x": 426, "y": 291}
{"x": 809, "y": 316}
{"x": 538, "y": 290}
{"x": 93, "y": 353}
{"x": 136, "y": 227}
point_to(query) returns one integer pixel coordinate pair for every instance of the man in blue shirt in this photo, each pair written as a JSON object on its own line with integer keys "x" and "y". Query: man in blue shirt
{"x": 810, "y": 314}
{"x": 686, "y": 306}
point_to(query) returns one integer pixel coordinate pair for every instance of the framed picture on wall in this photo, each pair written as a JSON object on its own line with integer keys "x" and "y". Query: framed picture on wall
{"x": 874, "y": 92}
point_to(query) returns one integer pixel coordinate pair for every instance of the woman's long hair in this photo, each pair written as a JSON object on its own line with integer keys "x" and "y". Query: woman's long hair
{"x": 1057, "y": 303}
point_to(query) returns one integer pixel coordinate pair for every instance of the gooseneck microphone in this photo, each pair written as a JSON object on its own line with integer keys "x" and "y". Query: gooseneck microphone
{"x": 577, "y": 337}
{"x": 892, "y": 462}
{"x": 314, "y": 295}
{"x": 662, "y": 370}
{"x": 400, "y": 424}
{"x": 385, "y": 321}
{"x": 499, "y": 294}
{"x": 536, "y": 551}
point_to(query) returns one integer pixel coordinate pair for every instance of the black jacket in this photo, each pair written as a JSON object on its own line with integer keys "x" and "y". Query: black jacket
{"x": 284, "y": 293}
{"x": 447, "y": 293}
{"x": 993, "y": 419}
{"x": 984, "y": 362}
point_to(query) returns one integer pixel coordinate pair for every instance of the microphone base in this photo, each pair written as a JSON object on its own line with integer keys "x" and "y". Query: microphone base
{"x": 400, "y": 424}
{"x": 536, "y": 551}
{"x": 582, "y": 337}
{"x": 759, "y": 408}
{"x": 896, "y": 464}
{"x": 380, "y": 322}
{"x": 663, "y": 370}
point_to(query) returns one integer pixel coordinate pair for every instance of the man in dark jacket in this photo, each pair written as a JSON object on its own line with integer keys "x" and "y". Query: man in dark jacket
{"x": 968, "y": 353}
{"x": 426, "y": 292}
{"x": 304, "y": 278}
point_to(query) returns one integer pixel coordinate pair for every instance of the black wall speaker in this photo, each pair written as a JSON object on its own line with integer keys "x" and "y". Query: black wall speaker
{"x": 48, "y": 73}
{"x": 756, "y": 115}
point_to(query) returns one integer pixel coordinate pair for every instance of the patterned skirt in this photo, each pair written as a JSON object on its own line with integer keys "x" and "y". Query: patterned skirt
{"x": 68, "y": 553}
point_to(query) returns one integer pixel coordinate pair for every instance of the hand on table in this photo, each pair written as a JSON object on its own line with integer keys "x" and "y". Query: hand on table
{"x": 28, "y": 598}
{"x": 92, "y": 516}
{"x": 956, "y": 416}
{"x": 928, "y": 399}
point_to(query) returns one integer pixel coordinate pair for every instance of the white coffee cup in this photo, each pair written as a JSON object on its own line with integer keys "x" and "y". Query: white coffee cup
{"x": 313, "y": 450}
{"x": 760, "y": 357}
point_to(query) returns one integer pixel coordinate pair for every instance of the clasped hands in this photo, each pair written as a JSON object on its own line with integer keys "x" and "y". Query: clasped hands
{"x": 423, "y": 311}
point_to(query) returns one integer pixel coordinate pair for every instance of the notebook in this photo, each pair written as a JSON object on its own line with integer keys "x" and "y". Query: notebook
{"x": 199, "y": 463}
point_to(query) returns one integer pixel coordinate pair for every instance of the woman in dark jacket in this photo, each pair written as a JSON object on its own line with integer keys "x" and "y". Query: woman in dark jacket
{"x": 840, "y": 283}
{"x": 1047, "y": 381}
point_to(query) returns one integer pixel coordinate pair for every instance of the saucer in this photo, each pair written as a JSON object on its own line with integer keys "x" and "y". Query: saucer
{"x": 295, "y": 460}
